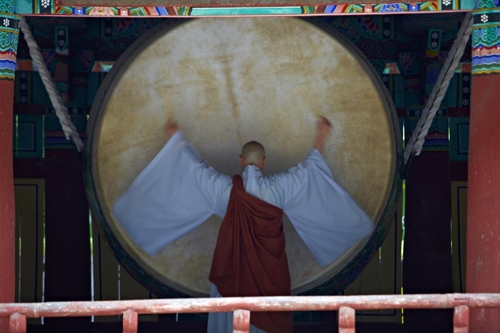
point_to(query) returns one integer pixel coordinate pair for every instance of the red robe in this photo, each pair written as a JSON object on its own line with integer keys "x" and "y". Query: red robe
{"x": 250, "y": 258}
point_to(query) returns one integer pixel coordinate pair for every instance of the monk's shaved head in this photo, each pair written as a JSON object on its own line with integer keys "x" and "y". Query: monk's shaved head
{"x": 253, "y": 153}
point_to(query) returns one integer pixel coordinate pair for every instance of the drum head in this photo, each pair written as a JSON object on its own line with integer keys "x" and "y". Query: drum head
{"x": 229, "y": 81}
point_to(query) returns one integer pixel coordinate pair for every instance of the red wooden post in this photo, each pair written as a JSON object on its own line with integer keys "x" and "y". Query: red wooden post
{"x": 8, "y": 49}
{"x": 461, "y": 319}
{"x": 483, "y": 197}
{"x": 130, "y": 321}
{"x": 7, "y": 208}
{"x": 17, "y": 323}
{"x": 241, "y": 321}
{"x": 347, "y": 320}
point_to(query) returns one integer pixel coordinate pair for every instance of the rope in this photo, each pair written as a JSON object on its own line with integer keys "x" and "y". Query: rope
{"x": 417, "y": 140}
{"x": 61, "y": 111}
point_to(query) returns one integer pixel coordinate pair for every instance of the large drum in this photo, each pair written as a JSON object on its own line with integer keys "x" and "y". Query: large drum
{"x": 229, "y": 81}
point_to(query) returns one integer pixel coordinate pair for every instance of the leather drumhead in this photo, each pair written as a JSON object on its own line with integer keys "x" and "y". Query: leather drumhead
{"x": 228, "y": 81}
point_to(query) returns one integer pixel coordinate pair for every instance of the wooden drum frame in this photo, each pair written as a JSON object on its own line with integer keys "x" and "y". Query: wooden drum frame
{"x": 228, "y": 81}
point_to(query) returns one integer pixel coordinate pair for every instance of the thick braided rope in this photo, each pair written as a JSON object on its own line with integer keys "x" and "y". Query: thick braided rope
{"x": 61, "y": 111}
{"x": 417, "y": 140}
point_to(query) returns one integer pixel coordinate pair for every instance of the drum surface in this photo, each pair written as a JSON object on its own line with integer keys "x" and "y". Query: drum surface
{"x": 229, "y": 81}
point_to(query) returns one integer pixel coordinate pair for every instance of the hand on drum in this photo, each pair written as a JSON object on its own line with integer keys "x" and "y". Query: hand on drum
{"x": 323, "y": 129}
{"x": 171, "y": 127}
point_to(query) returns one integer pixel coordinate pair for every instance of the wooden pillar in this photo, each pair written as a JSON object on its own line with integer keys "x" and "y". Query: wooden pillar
{"x": 427, "y": 265}
{"x": 7, "y": 209}
{"x": 483, "y": 197}
{"x": 8, "y": 48}
{"x": 67, "y": 258}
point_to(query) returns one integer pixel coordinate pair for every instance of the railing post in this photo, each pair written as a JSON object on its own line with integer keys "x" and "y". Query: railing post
{"x": 130, "y": 321}
{"x": 461, "y": 319}
{"x": 241, "y": 321}
{"x": 17, "y": 323}
{"x": 347, "y": 320}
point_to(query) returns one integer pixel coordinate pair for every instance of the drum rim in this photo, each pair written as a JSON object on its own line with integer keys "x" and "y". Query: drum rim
{"x": 353, "y": 269}
{"x": 333, "y": 285}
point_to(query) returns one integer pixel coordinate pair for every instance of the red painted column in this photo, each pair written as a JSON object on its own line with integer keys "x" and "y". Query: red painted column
{"x": 7, "y": 209}
{"x": 483, "y": 198}
{"x": 8, "y": 49}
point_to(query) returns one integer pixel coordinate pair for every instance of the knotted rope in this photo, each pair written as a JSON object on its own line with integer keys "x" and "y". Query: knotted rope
{"x": 61, "y": 111}
{"x": 416, "y": 142}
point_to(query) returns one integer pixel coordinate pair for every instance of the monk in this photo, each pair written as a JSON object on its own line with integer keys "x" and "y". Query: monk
{"x": 177, "y": 192}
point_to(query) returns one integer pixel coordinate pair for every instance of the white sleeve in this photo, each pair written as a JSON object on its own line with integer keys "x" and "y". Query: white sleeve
{"x": 173, "y": 195}
{"x": 325, "y": 216}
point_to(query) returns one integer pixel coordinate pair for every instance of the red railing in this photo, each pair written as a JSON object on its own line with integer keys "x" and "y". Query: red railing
{"x": 243, "y": 306}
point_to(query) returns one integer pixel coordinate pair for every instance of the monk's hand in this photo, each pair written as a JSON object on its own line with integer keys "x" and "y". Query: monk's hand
{"x": 323, "y": 129}
{"x": 171, "y": 127}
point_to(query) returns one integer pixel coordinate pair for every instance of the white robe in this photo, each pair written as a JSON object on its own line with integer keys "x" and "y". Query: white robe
{"x": 177, "y": 192}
